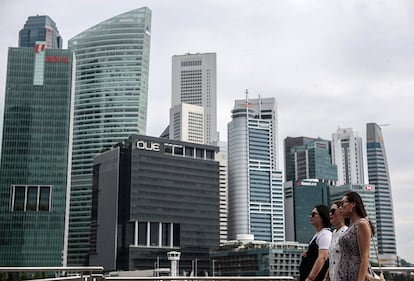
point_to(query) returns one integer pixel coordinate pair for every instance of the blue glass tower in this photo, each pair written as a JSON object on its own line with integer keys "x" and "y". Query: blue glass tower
{"x": 40, "y": 28}
{"x": 378, "y": 176}
{"x": 255, "y": 183}
{"x": 312, "y": 161}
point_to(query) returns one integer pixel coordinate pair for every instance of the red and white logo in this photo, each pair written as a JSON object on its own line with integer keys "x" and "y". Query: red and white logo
{"x": 40, "y": 47}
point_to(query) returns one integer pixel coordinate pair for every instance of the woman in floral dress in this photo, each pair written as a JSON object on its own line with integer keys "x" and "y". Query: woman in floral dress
{"x": 355, "y": 242}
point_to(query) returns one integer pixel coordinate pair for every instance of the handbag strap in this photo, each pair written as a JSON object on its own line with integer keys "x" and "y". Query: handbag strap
{"x": 376, "y": 253}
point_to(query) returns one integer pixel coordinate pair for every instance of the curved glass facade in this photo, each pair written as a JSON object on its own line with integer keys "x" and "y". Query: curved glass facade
{"x": 378, "y": 176}
{"x": 112, "y": 63}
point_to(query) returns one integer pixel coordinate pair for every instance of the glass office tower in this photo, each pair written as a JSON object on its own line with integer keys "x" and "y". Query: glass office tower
{"x": 110, "y": 105}
{"x": 40, "y": 28}
{"x": 36, "y": 156}
{"x": 256, "y": 204}
{"x": 378, "y": 175}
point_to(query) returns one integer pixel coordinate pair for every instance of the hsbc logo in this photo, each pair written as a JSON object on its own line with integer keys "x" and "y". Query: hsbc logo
{"x": 39, "y": 47}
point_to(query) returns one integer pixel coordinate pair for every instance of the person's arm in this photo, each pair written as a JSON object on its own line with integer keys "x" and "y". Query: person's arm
{"x": 317, "y": 266}
{"x": 364, "y": 240}
{"x": 326, "y": 278}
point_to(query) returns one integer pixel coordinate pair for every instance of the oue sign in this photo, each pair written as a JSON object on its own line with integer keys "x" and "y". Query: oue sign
{"x": 146, "y": 145}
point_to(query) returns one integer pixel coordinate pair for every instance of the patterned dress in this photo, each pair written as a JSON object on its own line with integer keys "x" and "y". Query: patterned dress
{"x": 350, "y": 255}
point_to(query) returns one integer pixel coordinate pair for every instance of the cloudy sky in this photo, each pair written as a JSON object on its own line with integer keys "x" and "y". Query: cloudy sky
{"x": 329, "y": 64}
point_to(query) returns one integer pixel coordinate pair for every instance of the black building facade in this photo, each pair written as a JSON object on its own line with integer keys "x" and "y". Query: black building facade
{"x": 151, "y": 196}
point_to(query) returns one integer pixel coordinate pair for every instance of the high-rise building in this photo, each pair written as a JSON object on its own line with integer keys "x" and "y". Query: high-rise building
{"x": 40, "y": 28}
{"x": 36, "y": 156}
{"x": 312, "y": 161}
{"x": 187, "y": 123}
{"x": 378, "y": 175}
{"x": 290, "y": 142}
{"x": 256, "y": 204}
{"x": 348, "y": 157}
{"x": 194, "y": 81}
{"x": 300, "y": 198}
{"x": 110, "y": 104}
{"x": 151, "y": 196}
{"x": 221, "y": 156}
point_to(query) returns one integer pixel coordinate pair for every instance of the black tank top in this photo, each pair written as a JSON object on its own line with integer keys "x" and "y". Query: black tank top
{"x": 307, "y": 263}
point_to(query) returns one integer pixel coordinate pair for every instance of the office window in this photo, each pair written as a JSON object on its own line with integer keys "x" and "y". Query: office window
{"x": 178, "y": 150}
{"x": 176, "y": 235}
{"x": 210, "y": 154}
{"x": 30, "y": 198}
{"x": 19, "y": 198}
{"x": 189, "y": 151}
{"x": 31, "y": 204}
{"x": 44, "y": 198}
{"x": 200, "y": 153}
{"x": 142, "y": 233}
{"x": 166, "y": 234}
{"x": 154, "y": 233}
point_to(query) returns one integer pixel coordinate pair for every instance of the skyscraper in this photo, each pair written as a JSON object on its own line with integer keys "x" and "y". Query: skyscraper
{"x": 312, "y": 161}
{"x": 378, "y": 175}
{"x": 290, "y": 142}
{"x": 151, "y": 196}
{"x": 221, "y": 156}
{"x": 187, "y": 123}
{"x": 110, "y": 105}
{"x": 40, "y": 28}
{"x": 300, "y": 198}
{"x": 347, "y": 156}
{"x": 256, "y": 204}
{"x": 194, "y": 82}
{"x": 36, "y": 155}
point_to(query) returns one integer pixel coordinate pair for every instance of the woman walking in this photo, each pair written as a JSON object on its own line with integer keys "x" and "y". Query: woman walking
{"x": 314, "y": 262}
{"x": 341, "y": 225}
{"x": 355, "y": 243}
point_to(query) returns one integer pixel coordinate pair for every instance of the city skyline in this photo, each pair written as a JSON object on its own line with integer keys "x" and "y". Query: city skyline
{"x": 328, "y": 65}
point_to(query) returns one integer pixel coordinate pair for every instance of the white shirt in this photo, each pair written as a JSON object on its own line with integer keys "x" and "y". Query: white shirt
{"x": 335, "y": 253}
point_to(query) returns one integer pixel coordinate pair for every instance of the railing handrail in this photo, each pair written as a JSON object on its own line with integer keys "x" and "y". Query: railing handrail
{"x": 91, "y": 269}
{"x": 394, "y": 268}
{"x": 202, "y": 278}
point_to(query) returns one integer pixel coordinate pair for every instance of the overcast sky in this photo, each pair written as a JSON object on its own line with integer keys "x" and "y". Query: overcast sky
{"x": 329, "y": 64}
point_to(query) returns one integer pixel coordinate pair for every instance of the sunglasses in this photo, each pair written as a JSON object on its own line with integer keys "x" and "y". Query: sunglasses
{"x": 332, "y": 211}
{"x": 313, "y": 214}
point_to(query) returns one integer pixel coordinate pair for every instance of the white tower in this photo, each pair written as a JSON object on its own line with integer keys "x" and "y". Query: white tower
{"x": 347, "y": 156}
{"x": 174, "y": 257}
{"x": 187, "y": 123}
{"x": 194, "y": 82}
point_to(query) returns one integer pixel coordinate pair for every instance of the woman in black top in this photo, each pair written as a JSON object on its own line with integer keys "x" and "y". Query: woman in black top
{"x": 314, "y": 262}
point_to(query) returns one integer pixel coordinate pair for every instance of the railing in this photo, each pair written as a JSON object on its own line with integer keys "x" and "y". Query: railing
{"x": 82, "y": 273}
{"x": 95, "y": 273}
{"x": 162, "y": 278}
